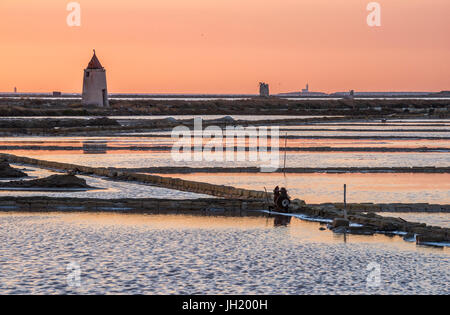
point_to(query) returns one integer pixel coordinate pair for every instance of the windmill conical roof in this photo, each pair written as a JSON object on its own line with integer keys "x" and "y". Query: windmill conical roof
{"x": 94, "y": 63}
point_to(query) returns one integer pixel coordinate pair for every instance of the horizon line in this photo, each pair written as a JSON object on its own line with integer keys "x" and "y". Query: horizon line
{"x": 233, "y": 94}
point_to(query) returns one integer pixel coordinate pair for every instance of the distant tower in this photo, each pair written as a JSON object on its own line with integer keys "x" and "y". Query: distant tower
{"x": 15, "y": 90}
{"x": 350, "y": 95}
{"x": 306, "y": 89}
{"x": 95, "y": 91}
{"x": 263, "y": 89}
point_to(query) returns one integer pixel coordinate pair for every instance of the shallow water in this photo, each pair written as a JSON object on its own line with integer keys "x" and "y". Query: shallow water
{"x": 311, "y": 159}
{"x": 328, "y": 133}
{"x": 376, "y": 128}
{"x": 435, "y": 219}
{"x": 152, "y": 254}
{"x": 114, "y": 141}
{"x": 142, "y": 159}
{"x": 321, "y": 188}
{"x": 108, "y": 189}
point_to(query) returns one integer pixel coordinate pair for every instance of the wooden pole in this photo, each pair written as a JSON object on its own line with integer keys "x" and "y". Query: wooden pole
{"x": 285, "y": 151}
{"x": 267, "y": 199}
{"x": 345, "y": 201}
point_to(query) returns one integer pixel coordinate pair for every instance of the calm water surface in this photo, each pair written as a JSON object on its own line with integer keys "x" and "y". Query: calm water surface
{"x": 436, "y": 219}
{"x": 152, "y": 254}
{"x": 140, "y": 159}
{"x": 361, "y": 187}
{"x": 107, "y": 189}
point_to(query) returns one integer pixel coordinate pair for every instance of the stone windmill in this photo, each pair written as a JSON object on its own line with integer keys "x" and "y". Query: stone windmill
{"x": 95, "y": 91}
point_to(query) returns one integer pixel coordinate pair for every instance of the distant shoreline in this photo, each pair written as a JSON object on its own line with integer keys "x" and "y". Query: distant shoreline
{"x": 222, "y": 97}
{"x": 289, "y": 95}
{"x": 353, "y": 108}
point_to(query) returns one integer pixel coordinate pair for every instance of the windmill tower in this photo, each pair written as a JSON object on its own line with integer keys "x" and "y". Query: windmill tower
{"x": 95, "y": 91}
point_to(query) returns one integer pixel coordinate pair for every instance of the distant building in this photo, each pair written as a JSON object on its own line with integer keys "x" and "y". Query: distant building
{"x": 56, "y": 93}
{"x": 304, "y": 93}
{"x": 263, "y": 89}
{"x": 15, "y": 90}
{"x": 95, "y": 91}
{"x": 306, "y": 90}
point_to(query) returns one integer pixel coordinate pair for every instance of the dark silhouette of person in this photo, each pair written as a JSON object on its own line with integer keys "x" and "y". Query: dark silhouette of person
{"x": 276, "y": 194}
{"x": 282, "y": 202}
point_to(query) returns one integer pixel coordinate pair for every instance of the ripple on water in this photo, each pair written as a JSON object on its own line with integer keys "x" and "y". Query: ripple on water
{"x": 204, "y": 255}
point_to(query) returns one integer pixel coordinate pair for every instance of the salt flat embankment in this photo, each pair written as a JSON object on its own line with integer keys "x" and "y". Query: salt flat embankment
{"x": 232, "y": 207}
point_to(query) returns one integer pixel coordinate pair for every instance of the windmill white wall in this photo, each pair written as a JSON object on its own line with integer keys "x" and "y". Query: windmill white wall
{"x": 95, "y": 90}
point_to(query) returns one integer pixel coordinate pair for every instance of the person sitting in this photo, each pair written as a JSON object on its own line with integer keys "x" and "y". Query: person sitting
{"x": 276, "y": 194}
{"x": 283, "y": 201}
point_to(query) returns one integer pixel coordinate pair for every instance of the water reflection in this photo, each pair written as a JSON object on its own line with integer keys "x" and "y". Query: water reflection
{"x": 156, "y": 254}
{"x": 281, "y": 220}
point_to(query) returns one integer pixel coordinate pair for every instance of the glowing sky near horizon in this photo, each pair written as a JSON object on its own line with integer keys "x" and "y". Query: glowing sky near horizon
{"x": 226, "y": 46}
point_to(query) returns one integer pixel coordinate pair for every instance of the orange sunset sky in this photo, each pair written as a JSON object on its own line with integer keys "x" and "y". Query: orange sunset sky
{"x": 226, "y": 46}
